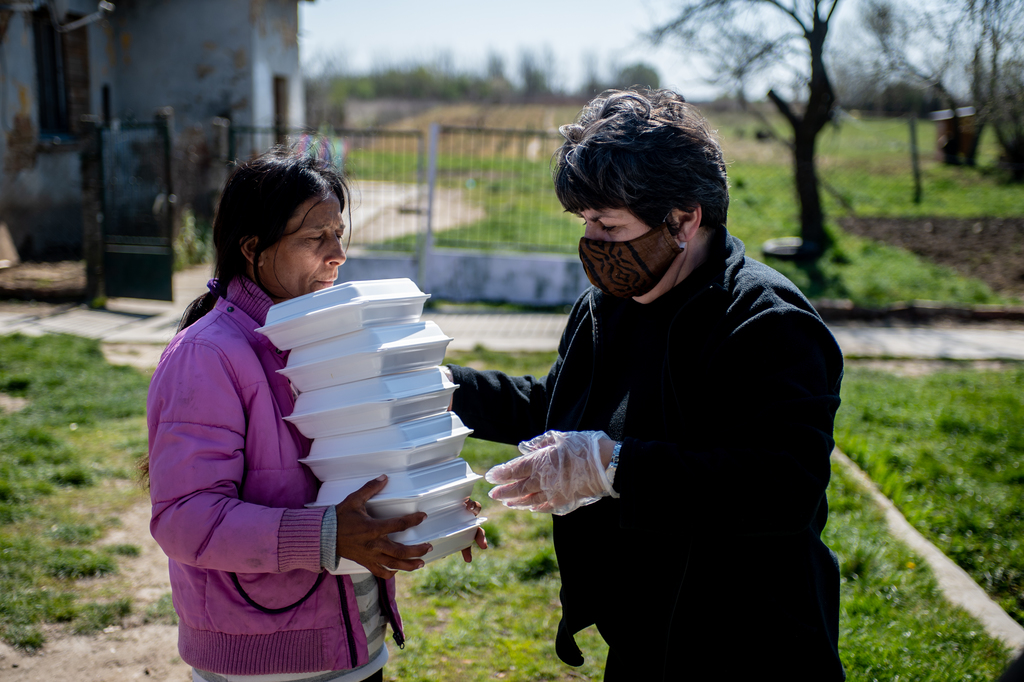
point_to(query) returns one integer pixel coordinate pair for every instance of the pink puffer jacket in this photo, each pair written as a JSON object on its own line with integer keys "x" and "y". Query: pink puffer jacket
{"x": 228, "y": 494}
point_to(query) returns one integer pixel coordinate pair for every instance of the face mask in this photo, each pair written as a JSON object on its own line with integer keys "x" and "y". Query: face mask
{"x": 627, "y": 269}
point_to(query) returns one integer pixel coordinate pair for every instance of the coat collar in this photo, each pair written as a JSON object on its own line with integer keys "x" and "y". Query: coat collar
{"x": 249, "y": 298}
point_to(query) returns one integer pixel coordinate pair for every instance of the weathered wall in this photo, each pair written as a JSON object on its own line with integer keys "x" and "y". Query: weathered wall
{"x": 204, "y": 58}
{"x": 192, "y": 55}
{"x": 39, "y": 176}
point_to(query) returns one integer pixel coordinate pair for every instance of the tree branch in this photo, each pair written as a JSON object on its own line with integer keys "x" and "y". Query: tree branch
{"x": 791, "y": 12}
{"x": 687, "y": 16}
{"x": 831, "y": 10}
{"x": 759, "y": 115}
{"x": 783, "y": 107}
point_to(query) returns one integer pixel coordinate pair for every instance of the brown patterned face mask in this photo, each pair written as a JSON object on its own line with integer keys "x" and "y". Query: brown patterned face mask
{"x": 627, "y": 269}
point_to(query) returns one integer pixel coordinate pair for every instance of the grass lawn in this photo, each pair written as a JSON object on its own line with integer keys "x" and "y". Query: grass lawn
{"x": 948, "y": 450}
{"x": 66, "y": 469}
{"x": 66, "y": 473}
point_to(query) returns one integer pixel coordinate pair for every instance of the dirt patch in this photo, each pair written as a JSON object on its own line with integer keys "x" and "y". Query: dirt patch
{"x": 132, "y": 651}
{"x": 144, "y": 653}
{"x": 10, "y": 403}
{"x": 989, "y": 249}
{"x": 60, "y": 281}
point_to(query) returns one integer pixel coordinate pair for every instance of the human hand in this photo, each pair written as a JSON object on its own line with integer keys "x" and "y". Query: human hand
{"x": 365, "y": 541}
{"x": 557, "y": 473}
{"x": 481, "y": 538}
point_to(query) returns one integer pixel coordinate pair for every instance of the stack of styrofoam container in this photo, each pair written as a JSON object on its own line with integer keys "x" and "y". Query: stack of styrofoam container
{"x": 374, "y": 401}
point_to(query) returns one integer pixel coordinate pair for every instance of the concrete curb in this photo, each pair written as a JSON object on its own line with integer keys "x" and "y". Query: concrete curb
{"x": 958, "y": 587}
{"x": 916, "y": 311}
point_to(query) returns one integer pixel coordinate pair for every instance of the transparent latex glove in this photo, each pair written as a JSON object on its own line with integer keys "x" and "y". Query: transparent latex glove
{"x": 557, "y": 473}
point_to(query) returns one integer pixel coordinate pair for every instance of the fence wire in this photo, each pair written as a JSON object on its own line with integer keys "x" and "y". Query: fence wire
{"x": 492, "y": 188}
{"x": 384, "y": 169}
{"x": 493, "y": 191}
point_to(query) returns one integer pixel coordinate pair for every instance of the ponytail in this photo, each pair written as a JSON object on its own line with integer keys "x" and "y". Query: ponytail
{"x": 196, "y": 309}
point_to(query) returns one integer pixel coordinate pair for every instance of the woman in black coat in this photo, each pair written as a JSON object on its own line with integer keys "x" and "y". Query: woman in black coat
{"x": 686, "y": 426}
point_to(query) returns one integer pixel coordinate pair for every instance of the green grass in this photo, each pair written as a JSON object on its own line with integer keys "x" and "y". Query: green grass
{"x": 948, "y": 449}
{"x": 161, "y": 611}
{"x": 497, "y": 617}
{"x": 71, "y": 448}
{"x": 894, "y": 623}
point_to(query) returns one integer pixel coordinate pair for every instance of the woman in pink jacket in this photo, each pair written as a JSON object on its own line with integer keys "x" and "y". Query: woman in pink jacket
{"x": 247, "y": 559}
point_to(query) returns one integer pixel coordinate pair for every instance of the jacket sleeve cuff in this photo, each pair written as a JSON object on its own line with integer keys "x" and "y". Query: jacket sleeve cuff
{"x": 329, "y": 541}
{"x": 298, "y": 539}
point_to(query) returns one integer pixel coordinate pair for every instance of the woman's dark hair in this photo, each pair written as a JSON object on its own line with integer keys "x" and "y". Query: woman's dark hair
{"x": 259, "y": 198}
{"x": 647, "y": 151}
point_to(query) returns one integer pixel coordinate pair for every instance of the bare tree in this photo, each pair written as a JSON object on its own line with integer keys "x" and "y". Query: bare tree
{"x": 970, "y": 52}
{"x": 924, "y": 44}
{"x": 744, "y": 38}
{"x": 997, "y": 73}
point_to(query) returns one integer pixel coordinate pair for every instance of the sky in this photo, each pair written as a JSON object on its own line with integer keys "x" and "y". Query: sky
{"x": 361, "y": 34}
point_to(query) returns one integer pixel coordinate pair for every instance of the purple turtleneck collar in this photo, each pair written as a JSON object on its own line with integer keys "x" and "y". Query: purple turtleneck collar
{"x": 247, "y": 295}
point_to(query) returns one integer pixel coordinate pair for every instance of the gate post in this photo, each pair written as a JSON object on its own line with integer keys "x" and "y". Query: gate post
{"x": 165, "y": 120}
{"x": 92, "y": 209}
{"x": 427, "y": 243}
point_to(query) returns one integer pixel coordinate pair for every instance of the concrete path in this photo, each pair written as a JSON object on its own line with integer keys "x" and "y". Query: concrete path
{"x": 130, "y": 321}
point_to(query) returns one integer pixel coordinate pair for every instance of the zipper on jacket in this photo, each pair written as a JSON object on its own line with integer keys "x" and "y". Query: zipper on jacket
{"x": 593, "y": 359}
{"x": 353, "y": 657}
{"x": 385, "y": 605}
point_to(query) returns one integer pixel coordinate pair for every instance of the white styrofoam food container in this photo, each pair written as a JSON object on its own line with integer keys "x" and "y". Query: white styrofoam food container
{"x": 366, "y": 353}
{"x": 400, "y": 483}
{"x": 452, "y": 541}
{"x": 341, "y": 309}
{"x": 443, "y": 542}
{"x": 371, "y": 403}
{"x": 439, "y": 523}
{"x": 427, "y": 499}
{"x": 406, "y": 445}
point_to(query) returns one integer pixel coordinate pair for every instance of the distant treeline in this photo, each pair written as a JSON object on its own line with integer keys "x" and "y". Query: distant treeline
{"x": 535, "y": 80}
{"x": 894, "y": 98}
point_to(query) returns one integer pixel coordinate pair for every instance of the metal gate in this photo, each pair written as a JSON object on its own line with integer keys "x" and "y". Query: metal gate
{"x": 137, "y": 223}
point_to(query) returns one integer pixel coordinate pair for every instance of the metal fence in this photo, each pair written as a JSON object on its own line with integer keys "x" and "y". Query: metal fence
{"x": 490, "y": 189}
{"x": 474, "y": 188}
{"x": 385, "y": 170}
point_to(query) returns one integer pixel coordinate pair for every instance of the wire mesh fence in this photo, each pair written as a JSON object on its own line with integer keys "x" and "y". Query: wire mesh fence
{"x": 490, "y": 189}
{"x": 493, "y": 191}
{"x": 385, "y": 170}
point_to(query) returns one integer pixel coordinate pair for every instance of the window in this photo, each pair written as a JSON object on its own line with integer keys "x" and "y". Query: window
{"x": 62, "y": 75}
{"x": 281, "y": 108}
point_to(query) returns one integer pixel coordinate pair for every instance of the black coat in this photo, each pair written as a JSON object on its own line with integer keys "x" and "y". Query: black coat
{"x": 713, "y": 549}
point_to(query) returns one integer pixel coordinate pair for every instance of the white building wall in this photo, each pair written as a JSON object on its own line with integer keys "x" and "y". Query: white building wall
{"x": 275, "y": 25}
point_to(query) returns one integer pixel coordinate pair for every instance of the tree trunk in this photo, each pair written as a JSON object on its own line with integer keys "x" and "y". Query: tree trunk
{"x": 812, "y": 218}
